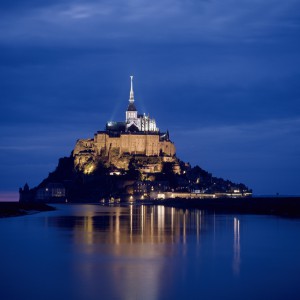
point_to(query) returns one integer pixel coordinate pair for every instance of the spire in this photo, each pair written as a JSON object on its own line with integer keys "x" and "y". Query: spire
{"x": 131, "y": 106}
{"x": 131, "y": 97}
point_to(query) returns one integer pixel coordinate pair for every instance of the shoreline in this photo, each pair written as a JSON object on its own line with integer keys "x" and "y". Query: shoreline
{"x": 281, "y": 206}
{"x": 16, "y": 209}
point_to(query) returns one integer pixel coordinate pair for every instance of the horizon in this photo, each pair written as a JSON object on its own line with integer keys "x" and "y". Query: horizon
{"x": 222, "y": 77}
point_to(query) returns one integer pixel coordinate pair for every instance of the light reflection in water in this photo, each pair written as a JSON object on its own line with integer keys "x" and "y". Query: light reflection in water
{"x": 142, "y": 224}
{"x": 236, "y": 246}
{"x": 149, "y": 252}
{"x": 136, "y": 240}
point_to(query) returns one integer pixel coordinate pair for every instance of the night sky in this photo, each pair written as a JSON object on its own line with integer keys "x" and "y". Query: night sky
{"x": 222, "y": 76}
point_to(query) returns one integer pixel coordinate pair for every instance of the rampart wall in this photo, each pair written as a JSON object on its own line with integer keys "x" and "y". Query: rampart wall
{"x": 145, "y": 144}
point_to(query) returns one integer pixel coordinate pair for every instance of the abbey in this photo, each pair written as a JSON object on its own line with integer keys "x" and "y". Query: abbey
{"x": 138, "y": 135}
{"x": 129, "y": 160}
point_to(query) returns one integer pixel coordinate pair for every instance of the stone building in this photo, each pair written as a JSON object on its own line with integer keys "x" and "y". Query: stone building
{"x": 52, "y": 191}
{"x": 138, "y": 135}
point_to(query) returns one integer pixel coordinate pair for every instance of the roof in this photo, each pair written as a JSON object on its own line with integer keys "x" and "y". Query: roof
{"x": 164, "y": 136}
{"x": 133, "y": 128}
{"x": 131, "y": 107}
{"x": 115, "y": 126}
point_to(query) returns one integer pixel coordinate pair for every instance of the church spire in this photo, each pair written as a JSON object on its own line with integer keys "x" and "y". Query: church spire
{"x": 131, "y": 97}
{"x": 131, "y": 107}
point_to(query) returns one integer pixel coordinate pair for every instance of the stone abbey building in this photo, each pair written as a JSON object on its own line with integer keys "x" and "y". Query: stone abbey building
{"x": 128, "y": 160}
{"x": 137, "y": 136}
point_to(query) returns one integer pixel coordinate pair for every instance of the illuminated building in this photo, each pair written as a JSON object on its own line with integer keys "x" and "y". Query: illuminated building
{"x": 137, "y": 135}
{"x": 51, "y": 191}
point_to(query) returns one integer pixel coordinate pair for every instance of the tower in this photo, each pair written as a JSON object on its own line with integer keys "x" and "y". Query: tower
{"x": 131, "y": 112}
{"x": 135, "y": 122}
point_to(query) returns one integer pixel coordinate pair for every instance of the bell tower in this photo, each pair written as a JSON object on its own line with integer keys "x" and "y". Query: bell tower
{"x": 131, "y": 112}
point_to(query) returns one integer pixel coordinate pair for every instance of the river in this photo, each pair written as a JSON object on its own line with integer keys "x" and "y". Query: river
{"x": 148, "y": 252}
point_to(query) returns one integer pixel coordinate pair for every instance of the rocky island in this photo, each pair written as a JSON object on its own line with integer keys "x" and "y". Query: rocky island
{"x": 128, "y": 161}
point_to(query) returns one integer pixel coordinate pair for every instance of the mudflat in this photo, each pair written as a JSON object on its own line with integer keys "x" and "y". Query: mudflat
{"x": 14, "y": 209}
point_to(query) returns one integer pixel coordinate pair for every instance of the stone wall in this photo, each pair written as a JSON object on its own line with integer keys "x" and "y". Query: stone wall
{"x": 145, "y": 144}
{"x": 118, "y": 151}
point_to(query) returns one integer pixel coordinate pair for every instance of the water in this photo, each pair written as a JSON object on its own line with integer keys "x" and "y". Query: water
{"x": 95, "y": 252}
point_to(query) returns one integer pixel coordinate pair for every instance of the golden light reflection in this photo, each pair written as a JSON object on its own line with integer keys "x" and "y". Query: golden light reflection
{"x": 236, "y": 246}
{"x": 184, "y": 228}
{"x": 133, "y": 246}
{"x": 88, "y": 228}
{"x": 136, "y": 224}
{"x": 136, "y": 240}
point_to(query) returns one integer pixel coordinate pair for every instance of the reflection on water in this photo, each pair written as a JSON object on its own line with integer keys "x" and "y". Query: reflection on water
{"x": 148, "y": 252}
{"x": 236, "y": 246}
{"x": 128, "y": 230}
{"x": 145, "y": 236}
{"x": 132, "y": 225}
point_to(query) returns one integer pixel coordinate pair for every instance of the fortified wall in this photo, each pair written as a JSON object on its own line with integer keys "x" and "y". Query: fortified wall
{"x": 117, "y": 151}
{"x": 133, "y": 143}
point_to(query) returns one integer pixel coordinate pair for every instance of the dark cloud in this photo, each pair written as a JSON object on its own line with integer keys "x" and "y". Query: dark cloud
{"x": 92, "y": 21}
{"x": 222, "y": 74}
{"x": 258, "y": 153}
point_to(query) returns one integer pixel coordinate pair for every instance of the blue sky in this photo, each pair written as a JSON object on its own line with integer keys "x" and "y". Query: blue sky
{"x": 222, "y": 76}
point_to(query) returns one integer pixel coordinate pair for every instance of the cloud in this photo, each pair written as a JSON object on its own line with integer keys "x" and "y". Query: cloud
{"x": 271, "y": 139}
{"x": 150, "y": 20}
{"x": 223, "y": 73}
{"x": 262, "y": 129}
{"x": 81, "y": 12}
{"x": 261, "y": 146}
{"x": 265, "y": 155}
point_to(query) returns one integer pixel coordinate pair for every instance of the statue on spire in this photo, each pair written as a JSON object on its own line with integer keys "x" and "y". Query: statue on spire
{"x": 131, "y": 97}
